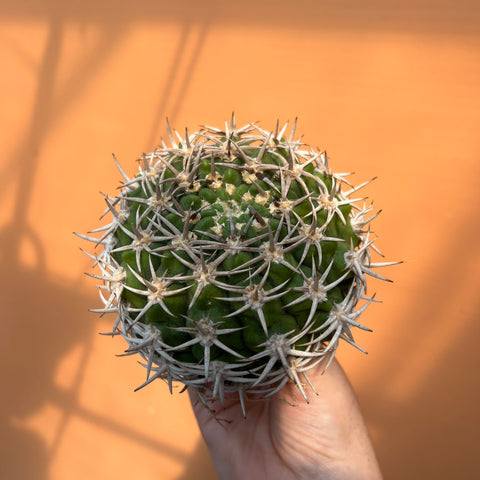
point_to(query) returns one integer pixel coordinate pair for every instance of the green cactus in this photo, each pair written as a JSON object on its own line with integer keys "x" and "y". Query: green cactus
{"x": 234, "y": 261}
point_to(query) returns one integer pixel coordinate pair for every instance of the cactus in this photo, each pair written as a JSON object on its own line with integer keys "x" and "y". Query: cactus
{"x": 235, "y": 260}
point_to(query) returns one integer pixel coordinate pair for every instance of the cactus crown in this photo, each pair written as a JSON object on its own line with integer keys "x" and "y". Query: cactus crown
{"x": 235, "y": 260}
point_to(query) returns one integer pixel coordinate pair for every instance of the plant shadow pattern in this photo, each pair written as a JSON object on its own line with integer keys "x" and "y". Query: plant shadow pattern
{"x": 35, "y": 304}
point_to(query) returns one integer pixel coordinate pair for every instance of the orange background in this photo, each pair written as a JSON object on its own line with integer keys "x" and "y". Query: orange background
{"x": 390, "y": 89}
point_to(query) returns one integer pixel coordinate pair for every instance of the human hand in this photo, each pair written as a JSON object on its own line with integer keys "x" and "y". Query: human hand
{"x": 325, "y": 439}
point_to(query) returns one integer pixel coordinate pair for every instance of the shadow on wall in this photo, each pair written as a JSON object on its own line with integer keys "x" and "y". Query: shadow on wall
{"x": 434, "y": 432}
{"x": 417, "y": 16}
{"x": 44, "y": 319}
{"x": 423, "y": 401}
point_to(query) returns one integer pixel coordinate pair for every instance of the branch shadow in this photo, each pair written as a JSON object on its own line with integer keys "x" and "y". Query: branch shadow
{"x": 45, "y": 317}
{"x": 43, "y": 320}
{"x": 185, "y": 81}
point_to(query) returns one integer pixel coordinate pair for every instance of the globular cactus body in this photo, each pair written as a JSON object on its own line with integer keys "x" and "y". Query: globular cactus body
{"x": 235, "y": 260}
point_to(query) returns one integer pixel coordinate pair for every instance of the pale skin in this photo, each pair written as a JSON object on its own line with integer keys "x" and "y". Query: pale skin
{"x": 325, "y": 439}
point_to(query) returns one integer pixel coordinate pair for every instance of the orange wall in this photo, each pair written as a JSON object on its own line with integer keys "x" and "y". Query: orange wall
{"x": 388, "y": 88}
